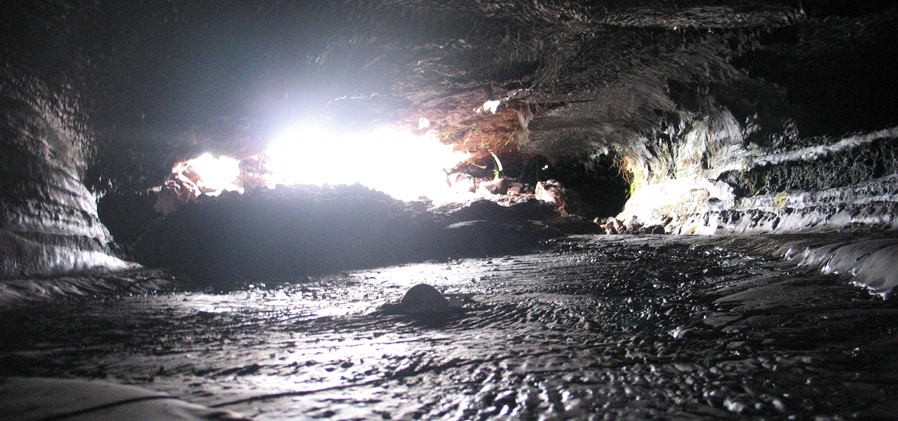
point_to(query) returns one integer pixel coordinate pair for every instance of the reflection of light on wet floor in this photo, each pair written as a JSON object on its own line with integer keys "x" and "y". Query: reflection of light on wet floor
{"x": 326, "y": 363}
{"x": 406, "y": 276}
{"x": 622, "y": 326}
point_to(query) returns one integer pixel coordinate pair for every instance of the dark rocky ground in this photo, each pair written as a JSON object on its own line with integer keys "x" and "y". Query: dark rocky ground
{"x": 591, "y": 327}
{"x": 104, "y": 96}
{"x": 304, "y": 230}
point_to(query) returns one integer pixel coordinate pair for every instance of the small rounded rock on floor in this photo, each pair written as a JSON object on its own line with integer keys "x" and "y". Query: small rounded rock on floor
{"x": 423, "y": 300}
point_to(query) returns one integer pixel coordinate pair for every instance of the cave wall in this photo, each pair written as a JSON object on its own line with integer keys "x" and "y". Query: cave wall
{"x": 732, "y": 118}
{"x": 800, "y": 136}
{"x": 48, "y": 217}
{"x": 724, "y": 116}
{"x": 706, "y": 178}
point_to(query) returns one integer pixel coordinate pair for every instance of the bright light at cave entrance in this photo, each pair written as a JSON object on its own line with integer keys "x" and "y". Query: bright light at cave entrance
{"x": 215, "y": 174}
{"x": 388, "y": 159}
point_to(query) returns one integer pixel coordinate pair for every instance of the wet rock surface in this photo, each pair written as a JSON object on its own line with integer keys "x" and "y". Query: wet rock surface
{"x": 19, "y": 293}
{"x": 425, "y": 304}
{"x": 48, "y": 217}
{"x": 308, "y": 229}
{"x": 736, "y": 116}
{"x": 57, "y": 399}
{"x": 692, "y": 110}
{"x": 609, "y": 326}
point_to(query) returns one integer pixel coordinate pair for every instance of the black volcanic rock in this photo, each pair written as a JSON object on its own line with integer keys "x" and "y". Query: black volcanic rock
{"x": 293, "y": 231}
{"x": 753, "y": 102}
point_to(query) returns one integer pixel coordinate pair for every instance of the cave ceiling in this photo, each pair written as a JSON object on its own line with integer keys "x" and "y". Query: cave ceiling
{"x": 166, "y": 80}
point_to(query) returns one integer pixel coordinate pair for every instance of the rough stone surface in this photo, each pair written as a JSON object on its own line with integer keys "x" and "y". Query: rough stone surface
{"x": 614, "y": 327}
{"x": 285, "y": 232}
{"x": 707, "y": 116}
{"x": 48, "y": 398}
{"x": 700, "y": 107}
{"x": 48, "y": 217}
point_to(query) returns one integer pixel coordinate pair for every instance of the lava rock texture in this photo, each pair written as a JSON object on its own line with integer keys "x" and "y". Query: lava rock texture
{"x": 709, "y": 110}
{"x": 302, "y": 230}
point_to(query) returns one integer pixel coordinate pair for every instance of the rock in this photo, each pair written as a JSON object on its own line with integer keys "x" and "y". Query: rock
{"x": 287, "y": 232}
{"x": 613, "y": 226}
{"x": 573, "y": 225}
{"x": 461, "y": 182}
{"x": 167, "y": 201}
{"x": 550, "y": 191}
{"x": 496, "y": 186}
{"x": 516, "y": 188}
{"x": 532, "y": 209}
{"x": 424, "y": 304}
{"x": 652, "y": 229}
{"x": 480, "y": 209}
{"x": 424, "y": 299}
{"x": 633, "y": 226}
{"x": 481, "y": 237}
{"x": 491, "y": 211}
{"x": 566, "y": 201}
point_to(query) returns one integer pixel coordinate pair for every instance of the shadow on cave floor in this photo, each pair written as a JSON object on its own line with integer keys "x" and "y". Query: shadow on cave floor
{"x": 307, "y": 230}
{"x": 641, "y": 327}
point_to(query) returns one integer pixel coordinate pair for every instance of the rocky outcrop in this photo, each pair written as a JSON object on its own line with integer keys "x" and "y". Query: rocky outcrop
{"x": 714, "y": 181}
{"x": 724, "y": 116}
{"x": 288, "y": 232}
{"x": 48, "y": 218}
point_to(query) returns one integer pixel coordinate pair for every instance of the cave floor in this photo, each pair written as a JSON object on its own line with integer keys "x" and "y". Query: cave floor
{"x": 614, "y": 326}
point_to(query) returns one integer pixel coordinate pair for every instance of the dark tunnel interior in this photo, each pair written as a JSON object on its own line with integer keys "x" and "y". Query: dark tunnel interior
{"x": 466, "y": 209}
